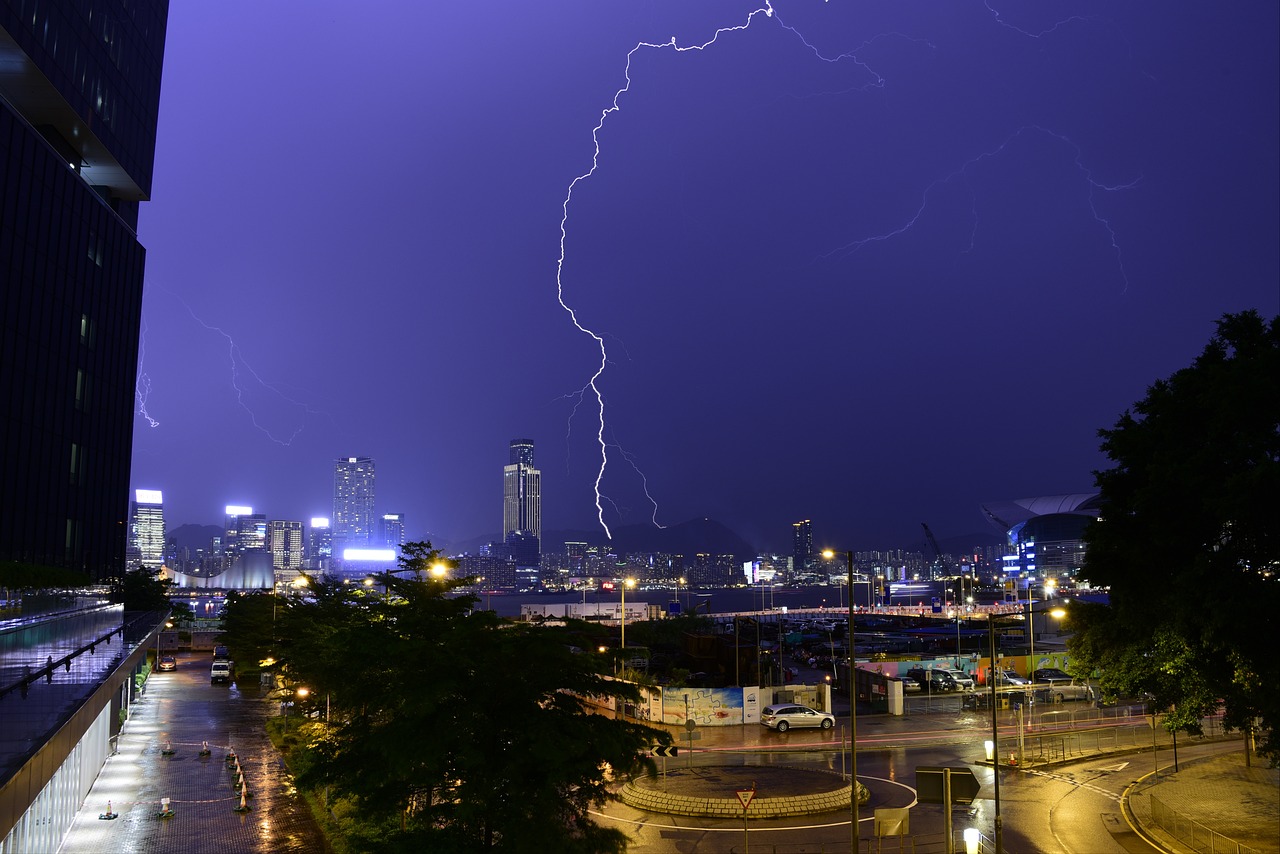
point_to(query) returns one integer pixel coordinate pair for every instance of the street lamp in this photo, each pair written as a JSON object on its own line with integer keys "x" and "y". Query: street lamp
{"x": 853, "y": 708}
{"x": 626, "y": 582}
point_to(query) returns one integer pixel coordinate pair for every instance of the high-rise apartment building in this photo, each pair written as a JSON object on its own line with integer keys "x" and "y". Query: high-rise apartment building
{"x": 521, "y": 492}
{"x": 79, "y": 95}
{"x": 147, "y": 527}
{"x": 284, "y": 541}
{"x": 353, "y": 495}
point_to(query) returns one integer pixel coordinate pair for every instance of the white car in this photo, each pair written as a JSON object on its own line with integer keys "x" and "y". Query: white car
{"x": 964, "y": 680}
{"x": 784, "y": 716}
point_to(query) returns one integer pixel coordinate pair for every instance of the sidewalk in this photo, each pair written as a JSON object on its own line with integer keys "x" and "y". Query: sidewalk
{"x": 180, "y": 712}
{"x": 1211, "y": 796}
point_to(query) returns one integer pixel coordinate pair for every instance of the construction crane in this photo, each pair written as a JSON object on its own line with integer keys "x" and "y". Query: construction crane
{"x": 933, "y": 543}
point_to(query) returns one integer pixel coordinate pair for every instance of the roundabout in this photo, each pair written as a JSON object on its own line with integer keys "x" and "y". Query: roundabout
{"x": 712, "y": 792}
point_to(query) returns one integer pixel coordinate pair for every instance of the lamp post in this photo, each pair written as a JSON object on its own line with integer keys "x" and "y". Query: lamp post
{"x": 853, "y": 709}
{"x": 995, "y": 735}
{"x": 626, "y": 582}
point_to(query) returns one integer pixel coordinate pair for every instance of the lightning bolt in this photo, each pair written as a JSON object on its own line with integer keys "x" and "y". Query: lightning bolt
{"x": 592, "y": 387}
{"x": 995, "y": 13}
{"x": 962, "y": 172}
{"x": 239, "y": 363}
{"x": 142, "y": 386}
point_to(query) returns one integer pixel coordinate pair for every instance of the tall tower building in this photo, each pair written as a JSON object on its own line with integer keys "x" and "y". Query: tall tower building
{"x": 147, "y": 527}
{"x": 801, "y": 545}
{"x": 319, "y": 543}
{"x": 284, "y": 541}
{"x": 522, "y": 492}
{"x": 79, "y": 96}
{"x": 353, "y": 494}
{"x": 231, "y": 539}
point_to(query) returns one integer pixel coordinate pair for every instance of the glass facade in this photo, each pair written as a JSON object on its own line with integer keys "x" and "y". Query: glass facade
{"x": 79, "y": 92}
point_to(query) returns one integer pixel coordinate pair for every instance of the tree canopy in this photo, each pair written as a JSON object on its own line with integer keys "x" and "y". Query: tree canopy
{"x": 466, "y": 730}
{"x": 1189, "y": 538}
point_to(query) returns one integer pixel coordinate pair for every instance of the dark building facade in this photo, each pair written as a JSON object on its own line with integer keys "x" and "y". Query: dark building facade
{"x": 79, "y": 95}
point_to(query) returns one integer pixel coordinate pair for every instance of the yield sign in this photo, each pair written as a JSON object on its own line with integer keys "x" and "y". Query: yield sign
{"x": 745, "y": 796}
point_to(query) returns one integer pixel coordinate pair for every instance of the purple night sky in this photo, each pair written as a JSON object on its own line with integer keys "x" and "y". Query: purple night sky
{"x": 866, "y": 263}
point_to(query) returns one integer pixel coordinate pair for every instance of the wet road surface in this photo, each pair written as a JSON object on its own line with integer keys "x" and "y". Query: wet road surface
{"x": 179, "y": 713}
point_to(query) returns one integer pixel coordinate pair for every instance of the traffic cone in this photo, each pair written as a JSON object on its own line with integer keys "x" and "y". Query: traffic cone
{"x": 244, "y": 806}
{"x": 168, "y": 749}
{"x": 108, "y": 815}
{"x": 231, "y": 756}
{"x": 1013, "y": 760}
{"x": 204, "y": 748}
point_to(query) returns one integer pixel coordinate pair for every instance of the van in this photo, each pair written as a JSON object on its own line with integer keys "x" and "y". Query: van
{"x": 222, "y": 671}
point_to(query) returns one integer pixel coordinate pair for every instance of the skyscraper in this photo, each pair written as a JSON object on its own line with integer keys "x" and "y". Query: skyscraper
{"x": 801, "y": 546}
{"x": 284, "y": 541}
{"x": 147, "y": 527}
{"x": 522, "y": 492}
{"x": 319, "y": 543}
{"x": 393, "y": 530}
{"x": 79, "y": 95}
{"x": 353, "y": 494}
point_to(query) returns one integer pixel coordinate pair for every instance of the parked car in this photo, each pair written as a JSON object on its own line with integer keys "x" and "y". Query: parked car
{"x": 1005, "y": 676}
{"x": 934, "y": 681}
{"x": 909, "y": 685}
{"x": 1059, "y": 687}
{"x": 167, "y": 662}
{"x": 223, "y": 670}
{"x": 784, "y": 716}
{"x": 964, "y": 680}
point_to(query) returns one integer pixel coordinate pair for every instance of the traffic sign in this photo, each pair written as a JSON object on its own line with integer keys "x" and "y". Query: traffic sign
{"x": 929, "y": 787}
{"x": 745, "y": 796}
{"x": 663, "y": 751}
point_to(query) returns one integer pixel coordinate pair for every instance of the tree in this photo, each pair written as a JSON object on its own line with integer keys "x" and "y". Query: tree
{"x": 142, "y": 589}
{"x": 249, "y": 626}
{"x": 1189, "y": 539}
{"x": 467, "y": 729}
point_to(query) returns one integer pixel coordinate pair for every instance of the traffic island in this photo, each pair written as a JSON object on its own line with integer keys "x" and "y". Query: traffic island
{"x": 712, "y": 792}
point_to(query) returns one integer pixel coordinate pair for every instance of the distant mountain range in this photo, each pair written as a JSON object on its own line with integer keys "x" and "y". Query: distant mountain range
{"x": 194, "y": 536}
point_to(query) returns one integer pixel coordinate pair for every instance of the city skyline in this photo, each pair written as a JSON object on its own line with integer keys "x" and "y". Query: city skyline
{"x": 867, "y": 266}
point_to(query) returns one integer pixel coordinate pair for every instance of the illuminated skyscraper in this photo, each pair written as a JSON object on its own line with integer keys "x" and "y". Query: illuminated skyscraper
{"x": 147, "y": 527}
{"x": 522, "y": 492}
{"x": 801, "y": 545}
{"x": 393, "y": 530}
{"x": 284, "y": 541}
{"x": 79, "y": 96}
{"x": 353, "y": 494}
{"x": 319, "y": 543}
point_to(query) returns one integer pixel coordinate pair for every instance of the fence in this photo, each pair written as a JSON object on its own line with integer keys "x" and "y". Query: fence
{"x": 1195, "y": 834}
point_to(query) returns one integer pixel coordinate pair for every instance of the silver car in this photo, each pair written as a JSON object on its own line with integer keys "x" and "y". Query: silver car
{"x": 784, "y": 716}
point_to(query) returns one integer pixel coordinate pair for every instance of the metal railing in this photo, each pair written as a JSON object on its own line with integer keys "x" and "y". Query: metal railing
{"x": 1191, "y": 832}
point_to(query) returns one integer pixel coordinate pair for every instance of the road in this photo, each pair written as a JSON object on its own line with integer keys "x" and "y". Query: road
{"x": 1066, "y": 809}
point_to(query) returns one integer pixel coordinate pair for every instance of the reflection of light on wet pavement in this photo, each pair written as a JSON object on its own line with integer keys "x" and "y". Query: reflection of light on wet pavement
{"x": 182, "y": 708}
